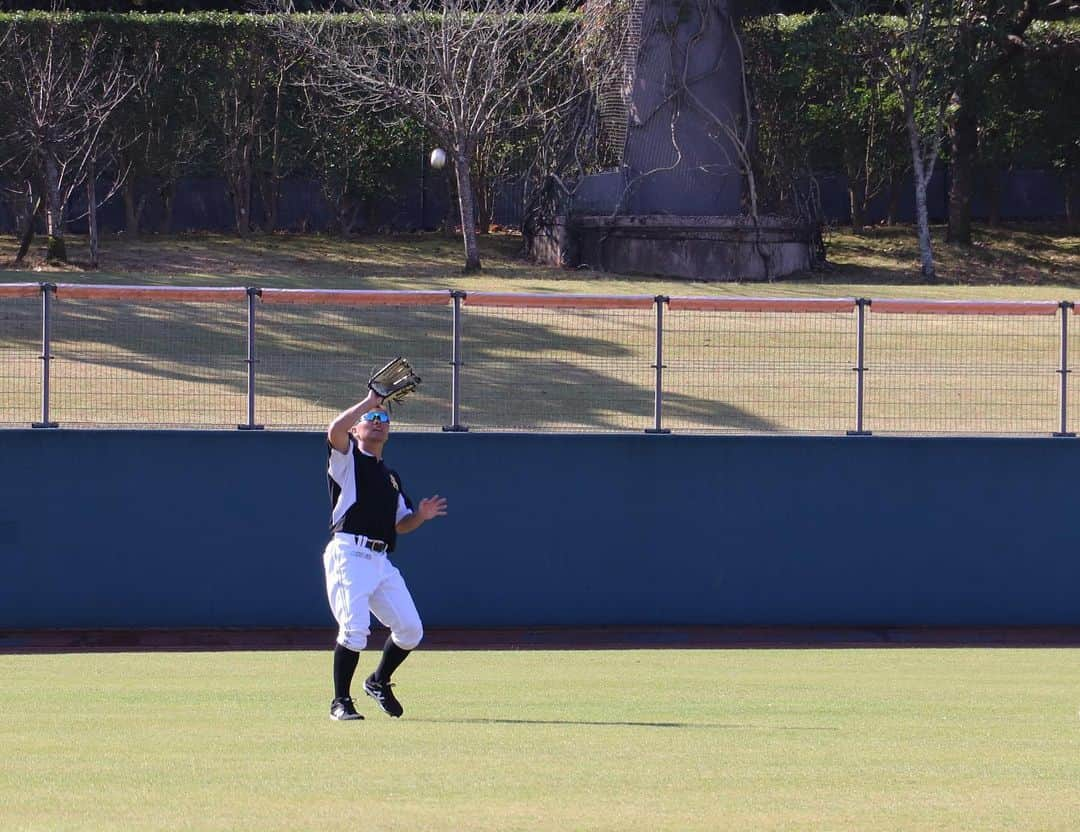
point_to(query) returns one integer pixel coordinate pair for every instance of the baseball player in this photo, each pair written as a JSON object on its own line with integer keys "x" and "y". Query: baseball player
{"x": 369, "y": 510}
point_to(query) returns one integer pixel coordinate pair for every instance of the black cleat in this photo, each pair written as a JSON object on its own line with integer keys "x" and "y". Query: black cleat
{"x": 342, "y": 708}
{"x": 381, "y": 692}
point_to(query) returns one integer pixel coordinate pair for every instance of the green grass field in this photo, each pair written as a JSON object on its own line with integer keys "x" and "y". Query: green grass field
{"x": 1020, "y": 261}
{"x": 861, "y": 739}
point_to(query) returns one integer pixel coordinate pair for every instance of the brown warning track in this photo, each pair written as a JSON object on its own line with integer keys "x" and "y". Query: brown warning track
{"x": 540, "y": 638}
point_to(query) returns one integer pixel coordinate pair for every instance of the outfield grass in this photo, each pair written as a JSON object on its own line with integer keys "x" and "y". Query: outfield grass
{"x": 910, "y": 739}
{"x": 1022, "y": 261}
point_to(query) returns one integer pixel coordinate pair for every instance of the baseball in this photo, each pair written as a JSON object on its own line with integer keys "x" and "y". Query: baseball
{"x": 438, "y": 157}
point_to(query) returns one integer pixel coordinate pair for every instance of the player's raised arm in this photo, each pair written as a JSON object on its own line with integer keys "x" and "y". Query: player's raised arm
{"x": 390, "y": 383}
{"x": 338, "y": 432}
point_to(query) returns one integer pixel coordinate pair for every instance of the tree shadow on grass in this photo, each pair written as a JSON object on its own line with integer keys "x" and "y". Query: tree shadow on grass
{"x": 1017, "y": 255}
{"x": 521, "y": 370}
{"x": 625, "y": 723}
{"x": 279, "y": 261}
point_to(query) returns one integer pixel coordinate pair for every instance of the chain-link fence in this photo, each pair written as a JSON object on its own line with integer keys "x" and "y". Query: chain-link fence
{"x": 963, "y": 368}
{"x": 20, "y": 350}
{"x": 145, "y": 357}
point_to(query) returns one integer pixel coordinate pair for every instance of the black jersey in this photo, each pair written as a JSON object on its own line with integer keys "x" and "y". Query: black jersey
{"x": 366, "y": 497}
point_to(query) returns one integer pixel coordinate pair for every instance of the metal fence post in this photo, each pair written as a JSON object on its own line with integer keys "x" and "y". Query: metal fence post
{"x": 1063, "y": 370}
{"x": 455, "y": 425}
{"x": 860, "y": 366}
{"x": 252, "y": 293}
{"x": 47, "y": 291}
{"x": 658, "y": 392}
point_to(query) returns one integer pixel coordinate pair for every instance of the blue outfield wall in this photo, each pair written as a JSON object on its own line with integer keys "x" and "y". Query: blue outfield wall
{"x": 103, "y": 529}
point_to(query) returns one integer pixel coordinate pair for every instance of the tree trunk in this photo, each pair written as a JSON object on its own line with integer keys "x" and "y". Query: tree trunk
{"x": 855, "y": 200}
{"x": 965, "y": 140}
{"x": 1072, "y": 202}
{"x": 168, "y": 199}
{"x": 91, "y": 211}
{"x": 993, "y": 197}
{"x": 28, "y": 232}
{"x": 855, "y": 173}
{"x": 56, "y": 251}
{"x": 483, "y": 203}
{"x": 270, "y": 191}
{"x": 241, "y": 199}
{"x": 896, "y": 190}
{"x": 133, "y": 208}
{"x": 922, "y": 214}
{"x": 467, "y": 209}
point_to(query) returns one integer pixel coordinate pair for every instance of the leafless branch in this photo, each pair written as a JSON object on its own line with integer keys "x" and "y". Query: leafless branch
{"x": 464, "y": 69}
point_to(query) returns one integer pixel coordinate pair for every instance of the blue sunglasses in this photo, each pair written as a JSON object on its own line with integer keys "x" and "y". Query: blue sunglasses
{"x": 375, "y": 416}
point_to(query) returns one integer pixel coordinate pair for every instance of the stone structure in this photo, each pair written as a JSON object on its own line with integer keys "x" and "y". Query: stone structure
{"x": 699, "y": 248}
{"x": 677, "y": 205}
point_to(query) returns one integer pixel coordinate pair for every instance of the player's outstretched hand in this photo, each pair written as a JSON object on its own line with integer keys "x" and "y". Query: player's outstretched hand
{"x": 432, "y": 507}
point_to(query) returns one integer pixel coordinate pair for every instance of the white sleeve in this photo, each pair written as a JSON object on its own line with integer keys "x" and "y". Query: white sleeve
{"x": 340, "y": 467}
{"x": 403, "y": 510}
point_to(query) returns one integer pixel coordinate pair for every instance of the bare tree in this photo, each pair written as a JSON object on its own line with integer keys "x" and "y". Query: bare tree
{"x": 163, "y": 127}
{"x": 463, "y": 69}
{"x": 64, "y": 83}
{"x": 270, "y": 145}
{"x": 353, "y": 154}
{"x": 239, "y": 119}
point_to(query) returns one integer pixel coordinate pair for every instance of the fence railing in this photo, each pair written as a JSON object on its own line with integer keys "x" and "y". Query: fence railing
{"x": 76, "y": 355}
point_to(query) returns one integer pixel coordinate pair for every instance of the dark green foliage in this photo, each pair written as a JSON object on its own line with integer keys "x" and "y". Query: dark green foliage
{"x": 823, "y": 104}
{"x": 226, "y": 99}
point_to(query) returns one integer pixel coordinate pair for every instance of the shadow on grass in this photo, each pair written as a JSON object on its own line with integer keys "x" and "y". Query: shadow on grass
{"x": 1016, "y": 254}
{"x": 626, "y": 723}
{"x": 1020, "y": 255}
{"x": 274, "y": 261}
{"x": 528, "y": 369}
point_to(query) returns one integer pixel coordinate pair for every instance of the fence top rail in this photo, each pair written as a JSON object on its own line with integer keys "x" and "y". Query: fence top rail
{"x": 737, "y": 304}
{"x": 965, "y": 307}
{"x": 188, "y": 294}
{"x": 20, "y": 290}
{"x": 356, "y": 297}
{"x": 404, "y": 297}
{"x": 551, "y": 301}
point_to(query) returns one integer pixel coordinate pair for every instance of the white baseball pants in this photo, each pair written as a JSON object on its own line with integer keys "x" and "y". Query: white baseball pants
{"x": 360, "y": 582}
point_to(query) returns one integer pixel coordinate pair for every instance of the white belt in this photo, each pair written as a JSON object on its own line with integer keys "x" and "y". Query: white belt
{"x": 371, "y": 543}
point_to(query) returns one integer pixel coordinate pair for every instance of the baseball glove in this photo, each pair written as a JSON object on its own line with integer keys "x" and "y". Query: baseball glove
{"x": 394, "y": 381}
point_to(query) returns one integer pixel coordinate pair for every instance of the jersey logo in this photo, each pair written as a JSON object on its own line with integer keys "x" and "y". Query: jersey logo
{"x": 394, "y": 482}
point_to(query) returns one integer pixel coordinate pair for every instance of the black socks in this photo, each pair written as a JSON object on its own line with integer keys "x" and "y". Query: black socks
{"x": 392, "y": 656}
{"x": 345, "y": 661}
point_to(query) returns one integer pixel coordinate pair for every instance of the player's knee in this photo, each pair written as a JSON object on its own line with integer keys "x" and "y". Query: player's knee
{"x": 355, "y": 640}
{"x": 409, "y": 636}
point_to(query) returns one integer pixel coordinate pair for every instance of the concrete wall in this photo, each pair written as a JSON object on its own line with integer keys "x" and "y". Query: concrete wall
{"x": 700, "y": 248}
{"x": 203, "y": 529}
